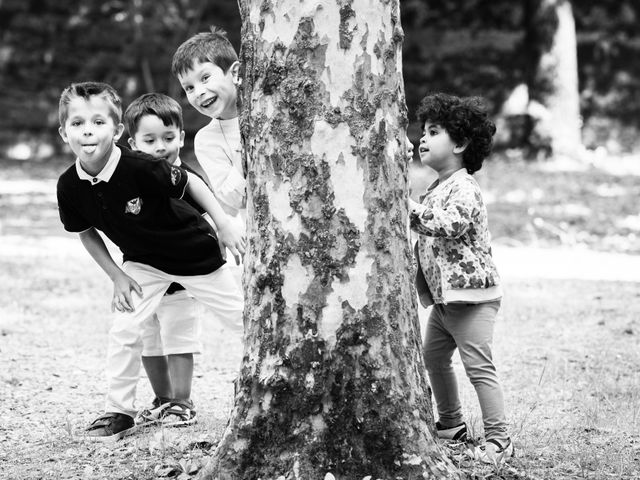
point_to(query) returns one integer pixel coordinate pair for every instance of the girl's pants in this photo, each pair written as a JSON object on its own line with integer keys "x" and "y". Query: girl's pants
{"x": 468, "y": 327}
{"x": 217, "y": 290}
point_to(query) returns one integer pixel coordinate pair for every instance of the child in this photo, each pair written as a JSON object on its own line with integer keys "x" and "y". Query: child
{"x": 207, "y": 67}
{"x": 171, "y": 336}
{"x": 135, "y": 201}
{"x": 455, "y": 269}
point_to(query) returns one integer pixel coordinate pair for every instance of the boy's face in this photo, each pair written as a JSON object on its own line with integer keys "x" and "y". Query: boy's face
{"x": 90, "y": 131}
{"x": 157, "y": 139}
{"x": 437, "y": 150}
{"x": 211, "y": 91}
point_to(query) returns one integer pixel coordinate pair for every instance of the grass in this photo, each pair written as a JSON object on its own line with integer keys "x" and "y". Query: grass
{"x": 568, "y": 352}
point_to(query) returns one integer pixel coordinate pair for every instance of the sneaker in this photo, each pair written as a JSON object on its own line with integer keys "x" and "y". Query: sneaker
{"x": 457, "y": 433}
{"x": 179, "y": 413}
{"x": 494, "y": 452}
{"x": 153, "y": 415}
{"x": 110, "y": 426}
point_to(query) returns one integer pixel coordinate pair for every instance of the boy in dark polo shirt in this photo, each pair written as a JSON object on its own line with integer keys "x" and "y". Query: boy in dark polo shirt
{"x": 135, "y": 201}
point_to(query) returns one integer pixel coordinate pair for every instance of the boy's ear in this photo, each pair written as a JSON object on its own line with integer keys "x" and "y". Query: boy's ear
{"x": 461, "y": 147}
{"x": 235, "y": 72}
{"x": 118, "y": 133}
{"x": 132, "y": 143}
{"x": 63, "y": 134}
{"x": 181, "y": 138}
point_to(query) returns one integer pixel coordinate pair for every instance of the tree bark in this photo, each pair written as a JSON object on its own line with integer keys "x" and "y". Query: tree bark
{"x": 553, "y": 80}
{"x": 332, "y": 378}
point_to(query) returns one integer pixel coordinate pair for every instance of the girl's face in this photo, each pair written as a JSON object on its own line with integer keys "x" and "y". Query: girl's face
{"x": 91, "y": 131}
{"x": 210, "y": 90}
{"x": 157, "y": 139}
{"x": 437, "y": 150}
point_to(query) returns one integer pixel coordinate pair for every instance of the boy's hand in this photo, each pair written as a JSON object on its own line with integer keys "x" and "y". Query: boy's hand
{"x": 122, "y": 299}
{"x": 230, "y": 238}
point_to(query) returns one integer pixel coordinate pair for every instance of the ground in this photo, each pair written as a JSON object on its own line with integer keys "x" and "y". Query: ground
{"x": 567, "y": 340}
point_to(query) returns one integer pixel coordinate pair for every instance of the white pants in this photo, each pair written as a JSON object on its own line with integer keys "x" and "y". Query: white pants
{"x": 175, "y": 327}
{"x": 217, "y": 290}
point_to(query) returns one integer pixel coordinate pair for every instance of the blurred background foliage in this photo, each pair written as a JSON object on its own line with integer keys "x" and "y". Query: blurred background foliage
{"x": 468, "y": 47}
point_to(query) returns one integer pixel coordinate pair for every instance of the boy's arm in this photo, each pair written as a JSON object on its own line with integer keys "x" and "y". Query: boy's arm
{"x": 226, "y": 179}
{"x": 232, "y": 239}
{"x": 122, "y": 283}
{"x": 453, "y": 220}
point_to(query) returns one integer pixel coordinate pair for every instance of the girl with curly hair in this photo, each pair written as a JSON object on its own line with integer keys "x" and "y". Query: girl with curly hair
{"x": 456, "y": 273}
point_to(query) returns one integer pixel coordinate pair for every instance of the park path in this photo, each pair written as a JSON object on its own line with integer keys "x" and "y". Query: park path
{"x": 565, "y": 263}
{"x": 519, "y": 262}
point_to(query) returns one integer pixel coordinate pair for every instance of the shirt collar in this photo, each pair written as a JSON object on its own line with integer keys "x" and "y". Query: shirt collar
{"x": 437, "y": 185}
{"x": 107, "y": 171}
{"x": 177, "y": 162}
{"x": 456, "y": 174}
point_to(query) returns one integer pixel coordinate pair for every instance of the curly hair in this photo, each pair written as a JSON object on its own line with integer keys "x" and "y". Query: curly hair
{"x": 464, "y": 119}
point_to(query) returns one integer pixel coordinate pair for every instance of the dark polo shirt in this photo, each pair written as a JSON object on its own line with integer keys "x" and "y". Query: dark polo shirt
{"x": 140, "y": 210}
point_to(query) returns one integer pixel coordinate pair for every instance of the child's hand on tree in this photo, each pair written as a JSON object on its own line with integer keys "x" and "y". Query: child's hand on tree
{"x": 122, "y": 300}
{"x": 232, "y": 239}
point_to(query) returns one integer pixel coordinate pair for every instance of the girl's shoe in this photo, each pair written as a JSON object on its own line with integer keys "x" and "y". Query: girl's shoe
{"x": 179, "y": 413}
{"x": 495, "y": 453}
{"x": 154, "y": 414}
{"x": 457, "y": 433}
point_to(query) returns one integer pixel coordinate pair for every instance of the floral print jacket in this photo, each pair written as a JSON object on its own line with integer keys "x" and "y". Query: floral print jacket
{"x": 453, "y": 248}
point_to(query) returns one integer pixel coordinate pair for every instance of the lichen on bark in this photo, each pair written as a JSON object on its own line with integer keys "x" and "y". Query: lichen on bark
{"x": 332, "y": 376}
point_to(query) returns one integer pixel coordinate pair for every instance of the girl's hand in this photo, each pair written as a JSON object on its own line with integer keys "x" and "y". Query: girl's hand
{"x": 409, "y": 147}
{"x": 122, "y": 299}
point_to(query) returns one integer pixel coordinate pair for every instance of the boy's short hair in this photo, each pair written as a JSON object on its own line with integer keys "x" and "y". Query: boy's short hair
{"x": 464, "y": 119}
{"x": 158, "y": 104}
{"x": 87, "y": 90}
{"x": 212, "y": 46}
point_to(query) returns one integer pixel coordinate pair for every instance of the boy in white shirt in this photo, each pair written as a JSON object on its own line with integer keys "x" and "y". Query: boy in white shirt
{"x": 207, "y": 67}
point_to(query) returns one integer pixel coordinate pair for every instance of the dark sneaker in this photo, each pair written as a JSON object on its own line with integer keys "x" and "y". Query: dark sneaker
{"x": 110, "y": 426}
{"x": 181, "y": 412}
{"x": 495, "y": 453}
{"x": 154, "y": 414}
{"x": 457, "y": 433}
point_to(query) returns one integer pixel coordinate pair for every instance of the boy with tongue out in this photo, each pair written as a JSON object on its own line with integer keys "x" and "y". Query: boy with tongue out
{"x": 136, "y": 202}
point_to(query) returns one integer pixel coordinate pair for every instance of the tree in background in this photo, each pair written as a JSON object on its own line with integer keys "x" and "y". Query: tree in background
{"x": 332, "y": 377}
{"x": 552, "y": 74}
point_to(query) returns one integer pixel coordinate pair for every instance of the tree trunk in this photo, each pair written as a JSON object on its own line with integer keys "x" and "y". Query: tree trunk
{"x": 553, "y": 80}
{"x": 332, "y": 378}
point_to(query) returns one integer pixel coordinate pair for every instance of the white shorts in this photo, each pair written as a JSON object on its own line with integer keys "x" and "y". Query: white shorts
{"x": 217, "y": 290}
{"x": 174, "y": 328}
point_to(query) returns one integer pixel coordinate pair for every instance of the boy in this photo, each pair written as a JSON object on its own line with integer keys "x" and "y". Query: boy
{"x": 171, "y": 336}
{"x": 207, "y": 67}
{"x": 456, "y": 272}
{"x": 135, "y": 201}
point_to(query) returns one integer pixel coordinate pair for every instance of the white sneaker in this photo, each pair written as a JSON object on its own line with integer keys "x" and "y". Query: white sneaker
{"x": 495, "y": 453}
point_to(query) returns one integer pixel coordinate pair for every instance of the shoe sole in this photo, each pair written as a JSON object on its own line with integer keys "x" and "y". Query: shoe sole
{"x": 181, "y": 423}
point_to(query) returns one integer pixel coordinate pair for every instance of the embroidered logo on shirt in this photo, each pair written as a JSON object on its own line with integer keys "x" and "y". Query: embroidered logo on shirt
{"x": 134, "y": 206}
{"x": 176, "y": 175}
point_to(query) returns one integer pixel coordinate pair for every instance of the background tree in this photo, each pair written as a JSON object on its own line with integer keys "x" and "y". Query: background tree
{"x": 462, "y": 47}
{"x": 332, "y": 377}
{"x": 552, "y": 74}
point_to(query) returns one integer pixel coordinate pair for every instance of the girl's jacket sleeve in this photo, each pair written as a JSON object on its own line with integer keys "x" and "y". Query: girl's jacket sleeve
{"x": 447, "y": 214}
